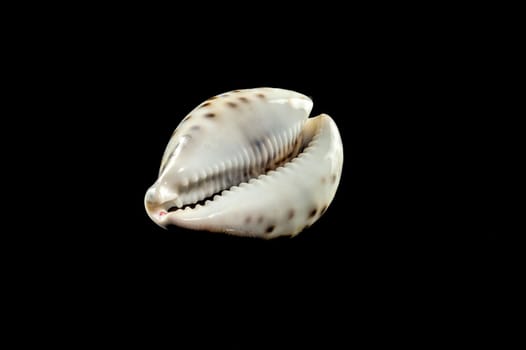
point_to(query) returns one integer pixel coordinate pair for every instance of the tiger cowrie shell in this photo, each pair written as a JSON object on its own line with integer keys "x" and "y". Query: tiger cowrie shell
{"x": 248, "y": 163}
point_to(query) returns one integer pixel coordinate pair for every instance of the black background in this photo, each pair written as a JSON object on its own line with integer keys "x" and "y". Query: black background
{"x": 390, "y": 94}
{"x": 389, "y": 209}
{"x": 400, "y": 222}
{"x": 403, "y": 237}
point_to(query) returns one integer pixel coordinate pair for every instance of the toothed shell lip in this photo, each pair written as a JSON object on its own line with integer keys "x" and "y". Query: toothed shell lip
{"x": 295, "y": 169}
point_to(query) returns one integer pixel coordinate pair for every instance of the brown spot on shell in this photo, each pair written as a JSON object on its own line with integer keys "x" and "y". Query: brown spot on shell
{"x": 182, "y": 121}
{"x": 232, "y": 104}
{"x": 210, "y": 115}
{"x": 323, "y": 180}
{"x": 333, "y": 178}
{"x": 243, "y": 99}
{"x": 270, "y": 229}
{"x": 151, "y": 206}
{"x": 323, "y": 210}
{"x": 291, "y": 214}
{"x": 261, "y": 95}
{"x": 313, "y": 212}
{"x": 195, "y": 127}
{"x": 260, "y": 219}
{"x": 206, "y": 104}
{"x": 212, "y": 98}
{"x": 248, "y": 219}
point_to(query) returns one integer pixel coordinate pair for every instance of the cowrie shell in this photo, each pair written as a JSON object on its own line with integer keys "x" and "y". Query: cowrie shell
{"x": 248, "y": 163}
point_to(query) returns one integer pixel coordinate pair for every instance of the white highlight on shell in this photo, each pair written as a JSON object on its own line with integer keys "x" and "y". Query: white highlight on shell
{"x": 248, "y": 163}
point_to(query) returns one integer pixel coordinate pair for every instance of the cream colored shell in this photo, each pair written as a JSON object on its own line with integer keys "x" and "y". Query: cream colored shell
{"x": 248, "y": 163}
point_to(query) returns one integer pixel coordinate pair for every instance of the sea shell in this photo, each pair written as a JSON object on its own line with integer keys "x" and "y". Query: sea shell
{"x": 248, "y": 163}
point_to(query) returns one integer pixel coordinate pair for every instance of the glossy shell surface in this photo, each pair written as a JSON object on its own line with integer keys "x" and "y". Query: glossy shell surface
{"x": 248, "y": 163}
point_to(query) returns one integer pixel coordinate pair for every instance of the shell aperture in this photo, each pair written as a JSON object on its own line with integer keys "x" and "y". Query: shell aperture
{"x": 248, "y": 163}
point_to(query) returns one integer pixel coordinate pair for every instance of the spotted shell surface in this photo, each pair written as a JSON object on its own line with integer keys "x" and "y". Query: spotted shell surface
{"x": 248, "y": 163}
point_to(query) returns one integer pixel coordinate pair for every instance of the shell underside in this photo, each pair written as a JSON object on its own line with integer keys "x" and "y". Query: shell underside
{"x": 249, "y": 163}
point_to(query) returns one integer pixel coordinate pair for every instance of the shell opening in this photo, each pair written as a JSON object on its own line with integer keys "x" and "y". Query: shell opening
{"x": 232, "y": 177}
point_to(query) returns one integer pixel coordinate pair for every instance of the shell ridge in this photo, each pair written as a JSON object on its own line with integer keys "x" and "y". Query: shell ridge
{"x": 251, "y": 164}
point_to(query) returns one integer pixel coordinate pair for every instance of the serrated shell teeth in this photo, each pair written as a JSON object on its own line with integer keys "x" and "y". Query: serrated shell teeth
{"x": 250, "y": 163}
